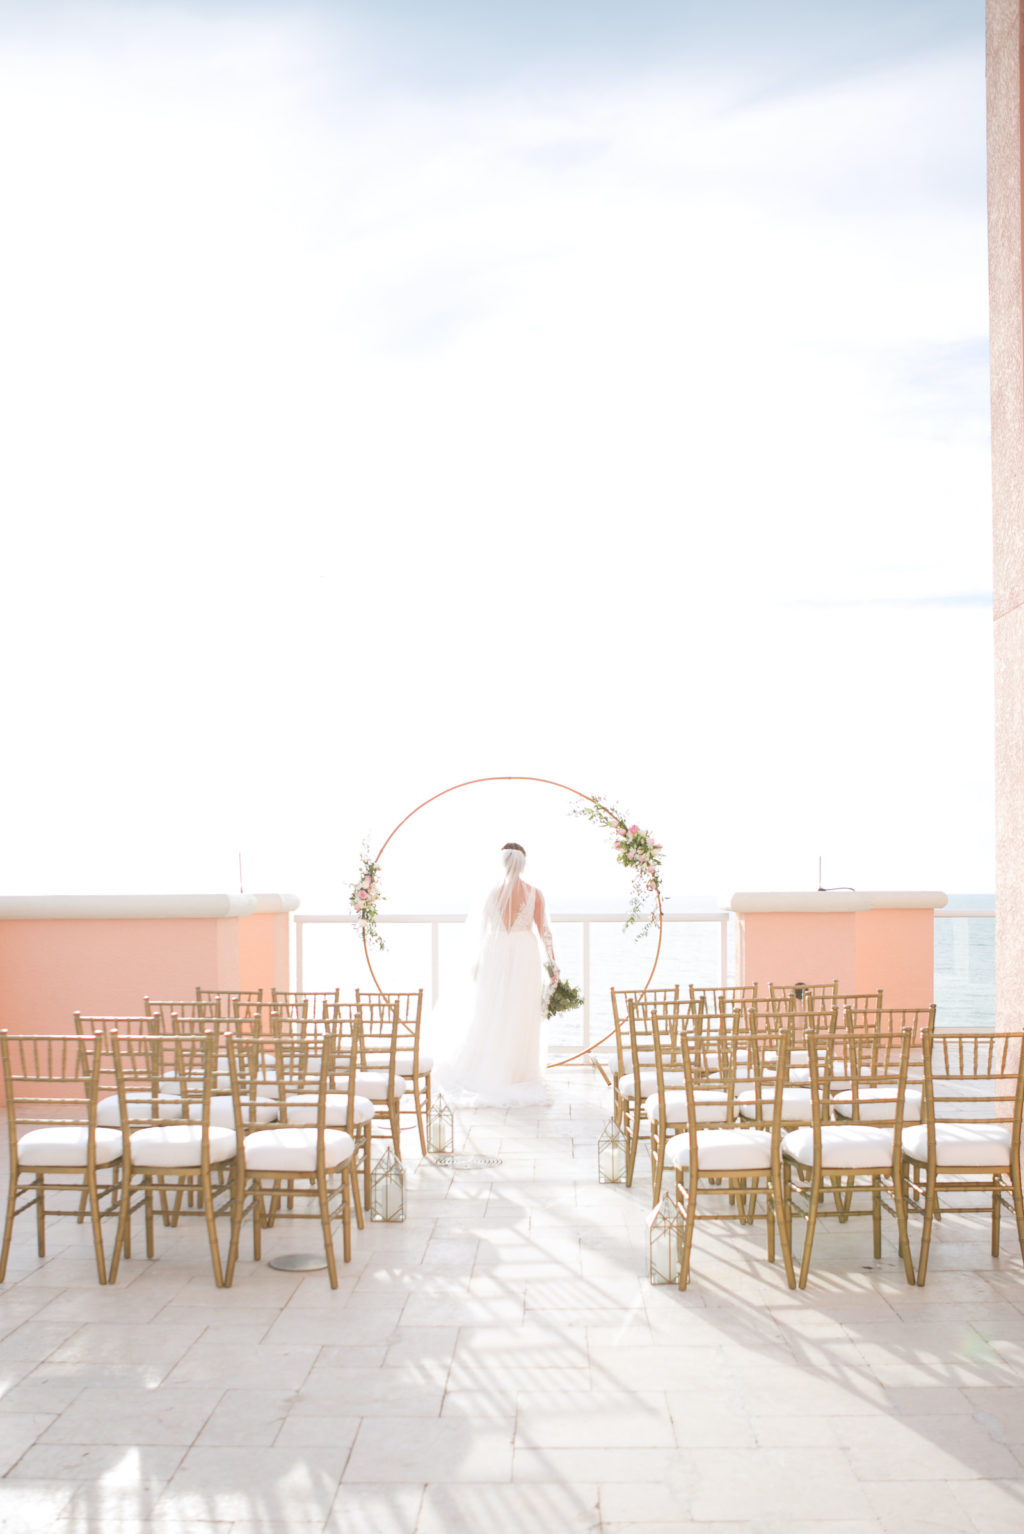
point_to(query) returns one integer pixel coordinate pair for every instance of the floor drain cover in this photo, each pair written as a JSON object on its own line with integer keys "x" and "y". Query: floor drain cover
{"x": 462, "y": 1161}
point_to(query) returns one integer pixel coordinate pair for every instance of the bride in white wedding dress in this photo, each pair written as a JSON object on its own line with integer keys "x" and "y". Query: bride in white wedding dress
{"x": 499, "y": 1062}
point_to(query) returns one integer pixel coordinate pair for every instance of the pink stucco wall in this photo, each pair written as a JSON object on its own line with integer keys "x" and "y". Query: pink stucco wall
{"x": 874, "y": 947}
{"x": 93, "y": 955}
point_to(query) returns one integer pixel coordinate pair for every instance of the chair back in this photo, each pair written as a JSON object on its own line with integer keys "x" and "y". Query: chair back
{"x": 176, "y": 1071}
{"x": 50, "y": 1081}
{"x": 229, "y": 1003}
{"x": 972, "y": 1078}
{"x": 185, "y": 1009}
{"x": 723, "y": 998}
{"x": 867, "y": 1073}
{"x": 620, "y": 1016}
{"x": 304, "y": 1003}
{"x": 379, "y": 1031}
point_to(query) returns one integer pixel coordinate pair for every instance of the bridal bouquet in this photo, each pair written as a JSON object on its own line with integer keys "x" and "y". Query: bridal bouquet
{"x": 563, "y": 997}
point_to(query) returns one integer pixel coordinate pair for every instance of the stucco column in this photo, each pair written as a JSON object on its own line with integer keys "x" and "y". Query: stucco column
{"x": 1005, "y": 32}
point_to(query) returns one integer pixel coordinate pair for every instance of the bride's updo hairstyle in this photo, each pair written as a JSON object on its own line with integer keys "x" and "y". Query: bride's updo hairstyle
{"x": 514, "y": 858}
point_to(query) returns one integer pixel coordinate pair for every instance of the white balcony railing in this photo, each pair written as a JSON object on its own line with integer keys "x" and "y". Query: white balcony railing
{"x": 593, "y": 1024}
{"x": 964, "y": 962}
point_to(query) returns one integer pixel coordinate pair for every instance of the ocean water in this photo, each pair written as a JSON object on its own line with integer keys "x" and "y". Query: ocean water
{"x": 332, "y": 955}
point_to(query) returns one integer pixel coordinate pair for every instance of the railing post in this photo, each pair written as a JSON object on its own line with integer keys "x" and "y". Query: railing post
{"x": 435, "y": 960}
{"x": 586, "y": 985}
{"x": 724, "y": 951}
{"x": 298, "y": 952}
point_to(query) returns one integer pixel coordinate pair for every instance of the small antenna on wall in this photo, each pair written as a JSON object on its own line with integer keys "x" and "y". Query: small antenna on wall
{"x": 832, "y": 889}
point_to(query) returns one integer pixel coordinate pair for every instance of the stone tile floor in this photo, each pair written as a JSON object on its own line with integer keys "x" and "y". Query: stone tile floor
{"x": 499, "y": 1363}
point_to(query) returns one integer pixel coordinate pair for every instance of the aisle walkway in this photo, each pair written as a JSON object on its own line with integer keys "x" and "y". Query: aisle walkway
{"x": 499, "y": 1364}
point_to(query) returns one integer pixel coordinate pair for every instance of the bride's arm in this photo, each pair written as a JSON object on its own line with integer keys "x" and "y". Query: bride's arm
{"x": 540, "y": 916}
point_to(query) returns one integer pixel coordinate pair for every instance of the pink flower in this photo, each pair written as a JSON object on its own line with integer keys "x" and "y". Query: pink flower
{"x": 634, "y": 830}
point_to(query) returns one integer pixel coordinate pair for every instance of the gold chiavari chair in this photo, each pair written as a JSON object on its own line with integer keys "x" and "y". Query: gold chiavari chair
{"x": 639, "y": 1083}
{"x": 345, "y": 1110}
{"x": 377, "y": 1077}
{"x": 620, "y": 1019}
{"x": 670, "y": 1028}
{"x": 305, "y": 1156}
{"x": 867, "y": 1075}
{"x": 162, "y": 1158}
{"x": 55, "y": 1143}
{"x": 970, "y": 1139}
{"x": 410, "y": 1061}
{"x": 734, "y": 1162}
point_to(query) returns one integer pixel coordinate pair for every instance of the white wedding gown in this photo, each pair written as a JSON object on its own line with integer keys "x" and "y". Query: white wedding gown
{"x": 499, "y": 1062}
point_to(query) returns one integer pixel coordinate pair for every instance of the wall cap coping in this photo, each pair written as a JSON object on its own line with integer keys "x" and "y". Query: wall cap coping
{"x": 140, "y": 907}
{"x": 821, "y": 902}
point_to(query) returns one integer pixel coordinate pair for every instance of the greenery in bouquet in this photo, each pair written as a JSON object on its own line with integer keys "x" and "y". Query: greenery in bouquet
{"x": 563, "y": 998}
{"x": 640, "y": 853}
{"x": 365, "y": 897}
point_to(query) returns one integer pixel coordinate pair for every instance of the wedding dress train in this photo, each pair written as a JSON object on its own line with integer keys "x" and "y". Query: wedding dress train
{"x": 499, "y": 1062}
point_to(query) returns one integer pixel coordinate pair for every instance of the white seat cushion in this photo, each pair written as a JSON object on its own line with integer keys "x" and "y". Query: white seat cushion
{"x": 961, "y": 1144}
{"x": 723, "y": 1150}
{"x": 180, "y": 1145}
{"x": 842, "y": 1145}
{"x": 140, "y": 1106}
{"x": 648, "y": 1082}
{"x": 294, "y": 1150}
{"x": 302, "y": 1109}
{"x": 370, "y": 1084}
{"x": 877, "y": 1104}
{"x": 796, "y": 1103}
{"x": 403, "y": 1062}
{"x": 67, "y": 1145}
{"x": 222, "y": 1111}
{"x": 711, "y": 1105}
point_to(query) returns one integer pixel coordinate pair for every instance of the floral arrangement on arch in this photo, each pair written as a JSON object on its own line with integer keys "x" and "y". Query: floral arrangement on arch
{"x": 364, "y": 898}
{"x": 640, "y": 853}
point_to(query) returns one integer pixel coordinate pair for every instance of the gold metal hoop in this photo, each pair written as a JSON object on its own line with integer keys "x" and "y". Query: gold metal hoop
{"x": 507, "y": 778}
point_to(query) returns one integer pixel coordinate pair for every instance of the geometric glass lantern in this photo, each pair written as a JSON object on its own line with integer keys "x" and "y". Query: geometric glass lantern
{"x": 666, "y": 1228}
{"x": 440, "y": 1128}
{"x": 611, "y": 1154}
{"x": 387, "y": 1188}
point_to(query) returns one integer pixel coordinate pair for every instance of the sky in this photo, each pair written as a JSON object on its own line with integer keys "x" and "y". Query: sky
{"x": 399, "y": 394}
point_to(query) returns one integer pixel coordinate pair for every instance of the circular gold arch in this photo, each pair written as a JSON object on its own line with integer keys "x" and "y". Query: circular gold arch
{"x": 516, "y": 778}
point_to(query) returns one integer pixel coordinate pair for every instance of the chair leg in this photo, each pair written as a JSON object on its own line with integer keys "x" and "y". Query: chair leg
{"x": 899, "y": 1189}
{"x": 211, "y": 1230}
{"x": 689, "y": 1221}
{"x": 930, "y": 1198}
{"x": 1018, "y": 1205}
{"x": 93, "y": 1191}
{"x": 997, "y": 1204}
{"x": 12, "y": 1199}
{"x": 812, "y": 1219}
{"x": 777, "y": 1212}
{"x": 237, "y": 1211}
{"x": 324, "y": 1200}
{"x": 633, "y": 1132}
{"x": 421, "y": 1124}
{"x": 658, "y": 1141}
{"x": 40, "y": 1215}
